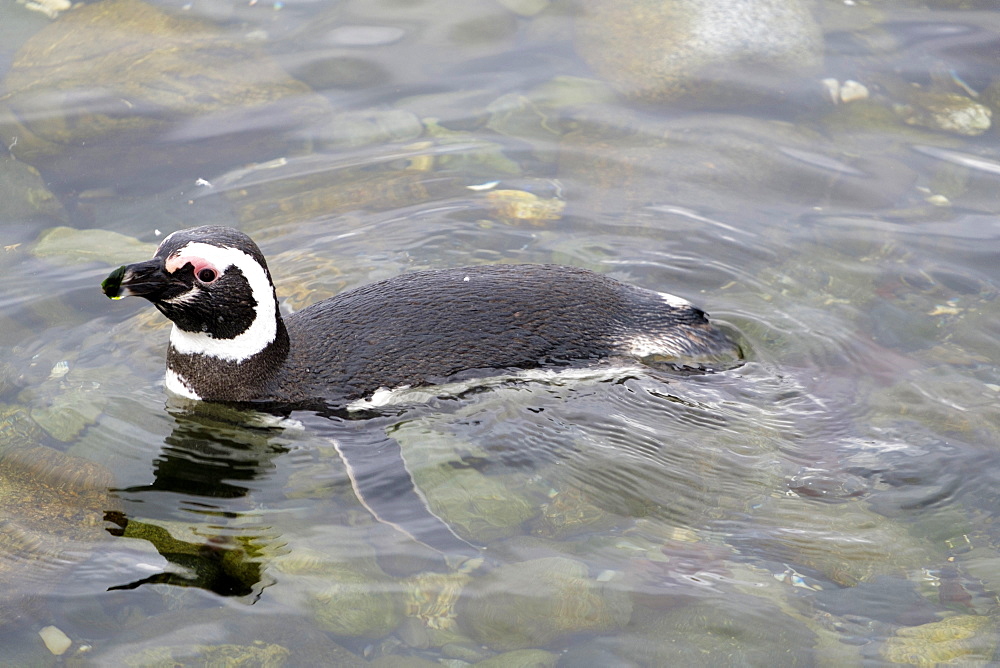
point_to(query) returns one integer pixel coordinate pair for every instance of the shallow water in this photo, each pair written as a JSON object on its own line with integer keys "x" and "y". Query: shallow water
{"x": 829, "y": 502}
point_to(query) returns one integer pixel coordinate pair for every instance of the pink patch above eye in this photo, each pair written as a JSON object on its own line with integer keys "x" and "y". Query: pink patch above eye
{"x": 175, "y": 262}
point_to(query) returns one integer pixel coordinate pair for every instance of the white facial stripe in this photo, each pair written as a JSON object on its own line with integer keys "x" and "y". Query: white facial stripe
{"x": 261, "y": 331}
{"x": 177, "y": 385}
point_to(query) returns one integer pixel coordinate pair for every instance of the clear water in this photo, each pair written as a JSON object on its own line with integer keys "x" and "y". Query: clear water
{"x": 830, "y": 502}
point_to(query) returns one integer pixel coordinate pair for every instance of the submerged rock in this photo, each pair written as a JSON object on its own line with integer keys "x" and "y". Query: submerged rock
{"x": 70, "y": 412}
{"x": 53, "y": 508}
{"x": 884, "y": 599}
{"x": 65, "y": 246}
{"x": 348, "y": 598}
{"x": 17, "y": 428}
{"x": 630, "y": 162}
{"x": 431, "y": 598}
{"x": 218, "y": 637}
{"x": 521, "y": 658}
{"x": 352, "y": 606}
{"x": 947, "y": 112}
{"x": 95, "y": 87}
{"x": 285, "y": 191}
{"x": 257, "y": 654}
{"x": 517, "y": 207}
{"x": 965, "y": 639}
{"x": 570, "y": 512}
{"x": 667, "y": 50}
{"x": 370, "y": 126}
{"x": 532, "y": 603}
{"x": 478, "y": 507}
{"x": 737, "y": 630}
{"x": 72, "y": 397}
{"x": 24, "y": 193}
{"x": 430, "y": 603}
{"x": 847, "y": 543}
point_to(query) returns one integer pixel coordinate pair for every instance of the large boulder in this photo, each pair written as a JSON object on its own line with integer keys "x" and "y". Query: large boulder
{"x": 117, "y": 91}
{"x": 670, "y": 50}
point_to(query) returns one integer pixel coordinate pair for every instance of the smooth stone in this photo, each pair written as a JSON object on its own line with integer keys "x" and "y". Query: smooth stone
{"x": 25, "y": 195}
{"x": 221, "y": 636}
{"x": 355, "y": 603}
{"x": 667, "y": 50}
{"x": 731, "y": 630}
{"x": 66, "y": 246}
{"x": 56, "y": 641}
{"x": 521, "y": 658}
{"x": 962, "y": 639}
{"x": 532, "y": 603}
{"x": 369, "y": 127}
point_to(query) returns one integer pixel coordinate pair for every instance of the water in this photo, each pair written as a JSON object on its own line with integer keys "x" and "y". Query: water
{"x": 829, "y": 502}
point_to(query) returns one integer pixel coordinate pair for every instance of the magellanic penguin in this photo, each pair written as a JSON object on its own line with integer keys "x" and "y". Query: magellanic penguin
{"x": 230, "y": 343}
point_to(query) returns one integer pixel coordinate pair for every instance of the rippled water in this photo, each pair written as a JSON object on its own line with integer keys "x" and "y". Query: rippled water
{"x": 829, "y": 502}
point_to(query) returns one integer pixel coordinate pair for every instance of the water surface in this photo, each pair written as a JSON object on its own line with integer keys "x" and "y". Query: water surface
{"x": 828, "y": 502}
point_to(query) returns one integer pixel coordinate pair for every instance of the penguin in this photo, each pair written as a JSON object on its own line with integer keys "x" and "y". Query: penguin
{"x": 230, "y": 342}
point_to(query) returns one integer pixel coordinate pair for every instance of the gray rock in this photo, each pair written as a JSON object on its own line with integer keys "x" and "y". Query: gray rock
{"x": 666, "y": 50}
{"x": 532, "y": 603}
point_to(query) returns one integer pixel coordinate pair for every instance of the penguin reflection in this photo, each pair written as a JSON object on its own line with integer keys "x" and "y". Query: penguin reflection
{"x": 222, "y": 462}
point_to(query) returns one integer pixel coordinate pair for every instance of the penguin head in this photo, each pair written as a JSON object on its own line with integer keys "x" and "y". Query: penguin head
{"x": 213, "y": 283}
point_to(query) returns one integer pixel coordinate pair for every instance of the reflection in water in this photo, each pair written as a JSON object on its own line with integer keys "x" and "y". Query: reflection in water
{"x": 215, "y": 458}
{"x": 224, "y": 570}
{"x": 216, "y": 453}
{"x": 213, "y": 454}
{"x": 207, "y": 455}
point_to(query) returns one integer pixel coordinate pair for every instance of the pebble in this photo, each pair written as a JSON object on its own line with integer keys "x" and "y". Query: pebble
{"x": 364, "y": 35}
{"x": 55, "y": 640}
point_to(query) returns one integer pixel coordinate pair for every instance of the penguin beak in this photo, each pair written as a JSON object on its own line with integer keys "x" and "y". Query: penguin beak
{"x": 147, "y": 279}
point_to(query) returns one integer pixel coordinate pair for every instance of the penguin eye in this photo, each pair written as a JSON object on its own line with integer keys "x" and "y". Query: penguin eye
{"x": 207, "y": 275}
